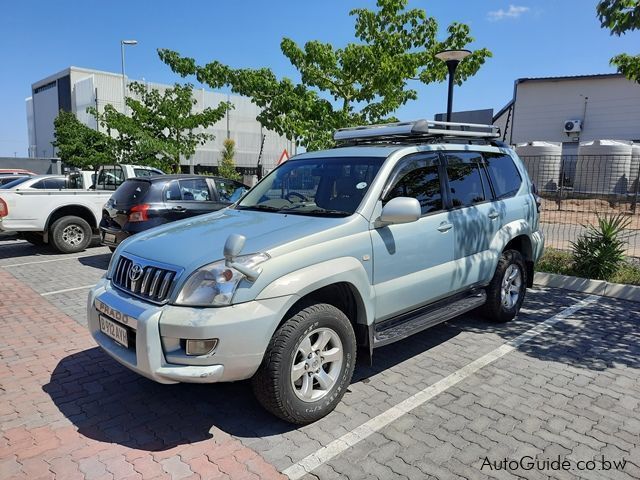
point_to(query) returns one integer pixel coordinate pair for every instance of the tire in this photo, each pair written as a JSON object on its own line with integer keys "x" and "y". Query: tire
{"x": 274, "y": 384}
{"x": 34, "y": 238}
{"x": 503, "y": 308}
{"x": 70, "y": 234}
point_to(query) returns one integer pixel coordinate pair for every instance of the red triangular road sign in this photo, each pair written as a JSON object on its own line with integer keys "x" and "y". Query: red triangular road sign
{"x": 284, "y": 157}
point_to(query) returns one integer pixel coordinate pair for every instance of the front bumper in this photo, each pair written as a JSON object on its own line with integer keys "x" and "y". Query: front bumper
{"x": 243, "y": 332}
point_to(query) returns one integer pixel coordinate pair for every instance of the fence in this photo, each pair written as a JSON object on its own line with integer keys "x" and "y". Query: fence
{"x": 577, "y": 188}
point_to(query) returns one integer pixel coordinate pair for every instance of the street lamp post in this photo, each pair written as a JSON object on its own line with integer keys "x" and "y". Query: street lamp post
{"x": 124, "y": 87}
{"x": 452, "y": 58}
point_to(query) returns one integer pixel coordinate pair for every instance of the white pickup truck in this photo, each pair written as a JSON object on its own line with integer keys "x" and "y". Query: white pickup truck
{"x": 66, "y": 218}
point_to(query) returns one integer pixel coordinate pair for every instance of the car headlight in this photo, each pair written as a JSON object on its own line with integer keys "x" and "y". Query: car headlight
{"x": 215, "y": 284}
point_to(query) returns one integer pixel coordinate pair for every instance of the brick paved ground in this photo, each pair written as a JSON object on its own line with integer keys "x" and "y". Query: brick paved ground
{"x": 67, "y": 411}
{"x": 573, "y": 391}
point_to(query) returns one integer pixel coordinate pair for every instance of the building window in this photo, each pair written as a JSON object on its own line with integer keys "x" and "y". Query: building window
{"x": 42, "y": 88}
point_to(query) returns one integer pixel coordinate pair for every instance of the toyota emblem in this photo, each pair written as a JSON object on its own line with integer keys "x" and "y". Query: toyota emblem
{"x": 135, "y": 273}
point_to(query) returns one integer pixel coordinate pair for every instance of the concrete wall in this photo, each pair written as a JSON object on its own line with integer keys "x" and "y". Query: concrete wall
{"x": 35, "y": 165}
{"x": 542, "y": 107}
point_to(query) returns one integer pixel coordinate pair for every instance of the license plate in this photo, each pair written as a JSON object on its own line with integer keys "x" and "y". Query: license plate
{"x": 109, "y": 238}
{"x": 115, "y": 331}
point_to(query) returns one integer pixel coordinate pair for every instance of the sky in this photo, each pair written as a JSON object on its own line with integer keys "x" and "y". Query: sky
{"x": 528, "y": 39}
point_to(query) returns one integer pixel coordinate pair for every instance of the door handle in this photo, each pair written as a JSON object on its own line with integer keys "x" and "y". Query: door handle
{"x": 179, "y": 209}
{"x": 445, "y": 227}
{"x": 493, "y": 215}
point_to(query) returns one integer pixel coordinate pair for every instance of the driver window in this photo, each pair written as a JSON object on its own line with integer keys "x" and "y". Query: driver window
{"x": 418, "y": 178}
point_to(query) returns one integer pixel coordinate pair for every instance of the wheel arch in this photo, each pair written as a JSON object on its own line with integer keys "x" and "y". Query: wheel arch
{"x": 72, "y": 211}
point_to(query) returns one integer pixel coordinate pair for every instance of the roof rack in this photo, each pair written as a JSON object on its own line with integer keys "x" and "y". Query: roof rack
{"x": 416, "y": 131}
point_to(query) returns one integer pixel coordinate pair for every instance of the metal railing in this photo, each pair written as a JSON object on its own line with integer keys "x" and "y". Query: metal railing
{"x": 576, "y": 188}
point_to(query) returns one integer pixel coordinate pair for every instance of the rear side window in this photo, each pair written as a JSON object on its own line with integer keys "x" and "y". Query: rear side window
{"x": 55, "y": 183}
{"x": 419, "y": 179}
{"x": 504, "y": 175}
{"x": 229, "y": 191}
{"x": 40, "y": 184}
{"x": 465, "y": 181}
{"x": 14, "y": 183}
{"x": 131, "y": 192}
{"x": 172, "y": 192}
{"x": 195, "y": 189}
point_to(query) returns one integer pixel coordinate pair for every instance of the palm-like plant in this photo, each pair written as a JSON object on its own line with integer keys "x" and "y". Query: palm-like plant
{"x": 599, "y": 251}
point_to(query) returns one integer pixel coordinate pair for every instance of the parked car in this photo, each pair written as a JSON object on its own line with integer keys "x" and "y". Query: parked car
{"x": 401, "y": 228}
{"x": 4, "y": 179}
{"x": 110, "y": 177}
{"x": 15, "y": 171}
{"x": 145, "y": 202}
{"x": 37, "y": 182}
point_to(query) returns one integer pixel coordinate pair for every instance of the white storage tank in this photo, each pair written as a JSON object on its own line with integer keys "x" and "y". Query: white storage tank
{"x": 635, "y": 169}
{"x": 603, "y": 167}
{"x": 543, "y": 161}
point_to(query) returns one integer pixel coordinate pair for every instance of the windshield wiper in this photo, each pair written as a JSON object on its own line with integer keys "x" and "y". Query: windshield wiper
{"x": 319, "y": 211}
{"x": 267, "y": 208}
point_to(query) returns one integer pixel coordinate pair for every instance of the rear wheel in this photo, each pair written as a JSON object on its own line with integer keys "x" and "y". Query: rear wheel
{"x": 308, "y": 365}
{"x": 71, "y": 234}
{"x": 506, "y": 291}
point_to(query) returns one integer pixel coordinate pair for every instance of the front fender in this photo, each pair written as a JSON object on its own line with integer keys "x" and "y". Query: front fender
{"x": 314, "y": 277}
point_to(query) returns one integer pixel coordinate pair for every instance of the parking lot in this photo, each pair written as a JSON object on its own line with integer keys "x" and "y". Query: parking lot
{"x": 467, "y": 399}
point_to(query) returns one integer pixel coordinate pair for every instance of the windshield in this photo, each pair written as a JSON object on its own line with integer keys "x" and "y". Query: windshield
{"x": 14, "y": 183}
{"x": 315, "y": 186}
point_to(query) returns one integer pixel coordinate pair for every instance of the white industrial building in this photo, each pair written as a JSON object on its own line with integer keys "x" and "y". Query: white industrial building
{"x": 74, "y": 89}
{"x": 570, "y": 110}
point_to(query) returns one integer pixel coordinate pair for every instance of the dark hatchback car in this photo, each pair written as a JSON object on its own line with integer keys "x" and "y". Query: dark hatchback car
{"x": 146, "y": 202}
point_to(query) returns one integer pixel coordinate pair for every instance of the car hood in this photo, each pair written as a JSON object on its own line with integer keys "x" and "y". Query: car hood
{"x": 194, "y": 242}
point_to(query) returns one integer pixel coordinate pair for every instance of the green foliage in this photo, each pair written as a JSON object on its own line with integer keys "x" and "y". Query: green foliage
{"x": 628, "y": 273}
{"x": 556, "y": 261}
{"x": 161, "y": 127}
{"x": 364, "y": 82}
{"x": 227, "y": 167}
{"x": 599, "y": 251}
{"x": 619, "y": 16}
{"x": 79, "y": 145}
{"x": 622, "y": 16}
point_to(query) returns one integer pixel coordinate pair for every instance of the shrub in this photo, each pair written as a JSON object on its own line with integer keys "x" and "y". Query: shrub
{"x": 627, "y": 273}
{"x": 599, "y": 251}
{"x": 556, "y": 261}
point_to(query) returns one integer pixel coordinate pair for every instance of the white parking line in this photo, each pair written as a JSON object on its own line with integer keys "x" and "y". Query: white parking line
{"x": 67, "y": 290}
{"x": 43, "y": 261}
{"x": 323, "y": 455}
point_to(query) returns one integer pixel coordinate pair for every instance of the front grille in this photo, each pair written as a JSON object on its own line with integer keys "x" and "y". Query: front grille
{"x": 153, "y": 284}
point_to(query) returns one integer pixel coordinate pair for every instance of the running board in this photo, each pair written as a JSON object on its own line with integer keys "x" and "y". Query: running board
{"x": 409, "y": 323}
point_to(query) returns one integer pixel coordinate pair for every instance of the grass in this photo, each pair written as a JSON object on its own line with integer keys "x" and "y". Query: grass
{"x": 560, "y": 261}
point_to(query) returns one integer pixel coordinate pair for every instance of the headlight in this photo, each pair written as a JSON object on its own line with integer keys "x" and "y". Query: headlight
{"x": 215, "y": 284}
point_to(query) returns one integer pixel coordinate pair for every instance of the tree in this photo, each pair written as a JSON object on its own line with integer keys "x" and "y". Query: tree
{"x": 226, "y": 167}
{"x": 622, "y": 16}
{"x": 364, "y": 82}
{"x": 81, "y": 146}
{"x": 162, "y": 127}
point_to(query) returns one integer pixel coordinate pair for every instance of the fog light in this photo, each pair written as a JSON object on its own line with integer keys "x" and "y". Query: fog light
{"x": 201, "y": 347}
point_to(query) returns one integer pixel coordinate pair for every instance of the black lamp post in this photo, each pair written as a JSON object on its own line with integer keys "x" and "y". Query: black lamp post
{"x": 452, "y": 58}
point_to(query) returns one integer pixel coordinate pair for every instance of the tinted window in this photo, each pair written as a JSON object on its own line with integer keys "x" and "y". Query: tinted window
{"x": 419, "y": 179}
{"x": 143, "y": 172}
{"x": 465, "y": 181}
{"x": 504, "y": 175}
{"x": 195, "y": 190}
{"x": 55, "y": 183}
{"x": 12, "y": 178}
{"x": 130, "y": 192}
{"x": 172, "y": 191}
{"x": 15, "y": 183}
{"x": 40, "y": 184}
{"x": 229, "y": 191}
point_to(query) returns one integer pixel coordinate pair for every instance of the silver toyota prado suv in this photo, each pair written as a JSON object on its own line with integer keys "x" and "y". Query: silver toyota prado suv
{"x": 401, "y": 227}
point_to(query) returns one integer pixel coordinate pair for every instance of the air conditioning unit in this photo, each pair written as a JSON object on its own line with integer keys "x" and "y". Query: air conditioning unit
{"x": 572, "y": 126}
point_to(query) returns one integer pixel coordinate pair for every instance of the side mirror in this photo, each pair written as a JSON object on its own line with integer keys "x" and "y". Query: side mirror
{"x": 400, "y": 210}
{"x": 233, "y": 246}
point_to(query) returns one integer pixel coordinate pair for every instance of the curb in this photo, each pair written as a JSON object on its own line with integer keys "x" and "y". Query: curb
{"x": 584, "y": 285}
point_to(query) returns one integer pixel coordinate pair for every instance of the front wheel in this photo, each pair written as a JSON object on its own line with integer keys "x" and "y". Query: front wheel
{"x": 308, "y": 365}
{"x": 506, "y": 291}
